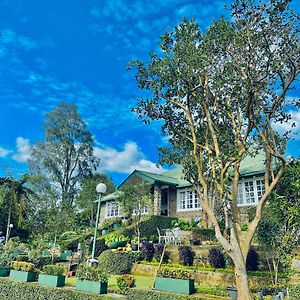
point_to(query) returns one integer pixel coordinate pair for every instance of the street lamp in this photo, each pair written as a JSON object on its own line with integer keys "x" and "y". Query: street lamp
{"x": 101, "y": 189}
{"x": 10, "y": 226}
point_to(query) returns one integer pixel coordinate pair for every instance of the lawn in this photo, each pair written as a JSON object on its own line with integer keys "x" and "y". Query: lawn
{"x": 142, "y": 282}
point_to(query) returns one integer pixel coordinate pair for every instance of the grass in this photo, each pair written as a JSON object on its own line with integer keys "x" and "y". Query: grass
{"x": 142, "y": 282}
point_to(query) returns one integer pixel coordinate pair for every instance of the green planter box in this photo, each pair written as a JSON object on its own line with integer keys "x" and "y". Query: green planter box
{"x": 4, "y": 272}
{"x": 182, "y": 286}
{"x": 114, "y": 245}
{"x": 91, "y": 286}
{"x": 116, "y": 226}
{"x": 22, "y": 276}
{"x": 104, "y": 231}
{"x": 63, "y": 257}
{"x": 68, "y": 252}
{"x": 51, "y": 280}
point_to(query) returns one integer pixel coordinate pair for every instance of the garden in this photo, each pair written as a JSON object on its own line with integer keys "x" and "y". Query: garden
{"x": 196, "y": 269}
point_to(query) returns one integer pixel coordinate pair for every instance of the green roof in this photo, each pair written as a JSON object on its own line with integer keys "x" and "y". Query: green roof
{"x": 250, "y": 166}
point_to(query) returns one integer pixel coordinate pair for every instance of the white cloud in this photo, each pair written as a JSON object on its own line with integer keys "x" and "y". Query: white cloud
{"x": 124, "y": 161}
{"x": 284, "y": 127}
{"x": 4, "y": 152}
{"x": 23, "y": 149}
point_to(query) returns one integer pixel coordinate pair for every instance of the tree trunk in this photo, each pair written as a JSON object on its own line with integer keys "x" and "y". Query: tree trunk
{"x": 8, "y": 223}
{"x": 241, "y": 279}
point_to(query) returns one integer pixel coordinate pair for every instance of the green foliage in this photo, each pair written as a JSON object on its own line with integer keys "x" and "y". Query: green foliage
{"x": 252, "y": 261}
{"x": 186, "y": 255}
{"x": 154, "y": 239}
{"x": 116, "y": 262}
{"x": 203, "y": 234}
{"x": 114, "y": 237}
{"x": 216, "y": 258}
{"x": 41, "y": 260}
{"x": 55, "y": 270}
{"x": 294, "y": 292}
{"x": 136, "y": 294}
{"x": 19, "y": 290}
{"x": 210, "y": 290}
{"x": 67, "y": 143}
{"x": 22, "y": 266}
{"x": 184, "y": 225}
{"x": 85, "y": 201}
{"x": 175, "y": 273}
{"x": 91, "y": 273}
{"x": 148, "y": 226}
{"x": 147, "y": 251}
{"x": 125, "y": 282}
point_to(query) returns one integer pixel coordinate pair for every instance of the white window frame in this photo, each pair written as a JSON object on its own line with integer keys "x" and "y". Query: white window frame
{"x": 186, "y": 199}
{"x": 255, "y": 191}
{"x": 108, "y": 213}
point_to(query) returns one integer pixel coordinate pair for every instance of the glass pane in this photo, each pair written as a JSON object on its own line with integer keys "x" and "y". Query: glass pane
{"x": 249, "y": 189}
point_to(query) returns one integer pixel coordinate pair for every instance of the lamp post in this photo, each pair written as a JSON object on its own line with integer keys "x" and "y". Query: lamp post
{"x": 101, "y": 189}
{"x": 8, "y": 232}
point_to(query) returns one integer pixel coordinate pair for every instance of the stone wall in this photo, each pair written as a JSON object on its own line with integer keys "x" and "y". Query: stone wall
{"x": 216, "y": 279}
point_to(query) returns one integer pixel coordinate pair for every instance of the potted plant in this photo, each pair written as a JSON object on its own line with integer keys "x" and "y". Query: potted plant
{"x": 175, "y": 280}
{"x": 4, "y": 264}
{"x": 22, "y": 271}
{"x": 114, "y": 241}
{"x": 53, "y": 275}
{"x": 91, "y": 280}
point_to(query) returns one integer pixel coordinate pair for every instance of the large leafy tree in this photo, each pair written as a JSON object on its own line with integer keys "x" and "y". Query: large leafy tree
{"x": 219, "y": 94}
{"x": 88, "y": 195}
{"x": 15, "y": 199}
{"x": 66, "y": 156}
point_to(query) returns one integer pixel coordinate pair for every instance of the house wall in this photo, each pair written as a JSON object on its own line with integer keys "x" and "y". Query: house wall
{"x": 102, "y": 213}
{"x": 187, "y": 215}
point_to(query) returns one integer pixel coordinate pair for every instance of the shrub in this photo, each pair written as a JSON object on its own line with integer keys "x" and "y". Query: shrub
{"x": 154, "y": 239}
{"x": 125, "y": 282}
{"x": 116, "y": 262}
{"x": 71, "y": 244}
{"x": 41, "y": 261}
{"x": 147, "y": 251}
{"x": 55, "y": 270}
{"x": 252, "y": 261}
{"x": 100, "y": 247}
{"x": 20, "y": 290}
{"x": 183, "y": 225}
{"x": 135, "y": 294}
{"x": 148, "y": 226}
{"x": 177, "y": 273}
{"x": 22, "y": 257}
{"x": 158, "y": 249}
{"x": 22, "y": 266}
{"x": 186, "y": 255}
{"x": 114, "y": 237}
{"x": 203, "y": 234}
{"x": 294, "y": 292}
{"x": 216, "y": 258}
{"x": 86, "y": 272}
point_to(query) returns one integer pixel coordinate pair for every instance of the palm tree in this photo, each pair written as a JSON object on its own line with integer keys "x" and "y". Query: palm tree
{"x": 15, "y": 193}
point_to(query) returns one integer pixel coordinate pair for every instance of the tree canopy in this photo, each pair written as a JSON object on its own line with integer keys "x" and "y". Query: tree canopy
{"x": 219, "y": 94}
{"x": 66, "y": 156}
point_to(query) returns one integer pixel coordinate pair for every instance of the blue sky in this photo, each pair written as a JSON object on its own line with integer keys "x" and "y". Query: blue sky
{"x": 76, "y": 51}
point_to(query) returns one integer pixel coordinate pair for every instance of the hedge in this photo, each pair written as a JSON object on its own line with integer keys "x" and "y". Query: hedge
{"x": 148, "y": 226}
{"x": 136, "y": 294}
{"x": 294, "y": 292}
{"x": 117, "y": 262}
{"x": 23, "y": 291}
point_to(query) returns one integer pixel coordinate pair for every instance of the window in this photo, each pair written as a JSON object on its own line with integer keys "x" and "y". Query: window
{"x": 250, "y": 191}
{"x": 112, "y": 209}
{"x": 187, "y": 200}
{"x": 142, "y": 211}
{"x": 182, "y": 200}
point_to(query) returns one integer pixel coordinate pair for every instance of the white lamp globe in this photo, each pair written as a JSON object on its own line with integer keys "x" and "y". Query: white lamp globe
{"x": 101, "y": 188}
